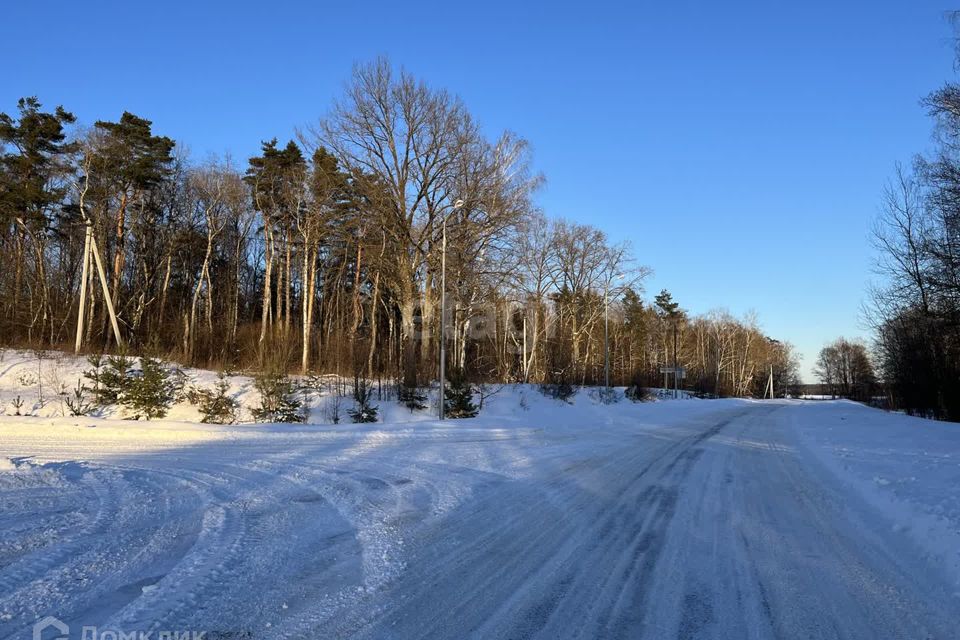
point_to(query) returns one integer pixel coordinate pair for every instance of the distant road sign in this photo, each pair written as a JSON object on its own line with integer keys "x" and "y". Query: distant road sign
{"x": 680, "y": 372}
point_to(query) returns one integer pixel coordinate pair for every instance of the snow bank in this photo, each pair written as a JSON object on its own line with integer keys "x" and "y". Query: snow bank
{"x": 907, "y": 467}
{"x": 41, "y": 387}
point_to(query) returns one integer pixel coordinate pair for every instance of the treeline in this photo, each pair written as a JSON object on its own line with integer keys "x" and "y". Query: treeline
{"x": 845, "y": 370}
{"x": 916, "y": 312}
{"x": 326, "y": 253}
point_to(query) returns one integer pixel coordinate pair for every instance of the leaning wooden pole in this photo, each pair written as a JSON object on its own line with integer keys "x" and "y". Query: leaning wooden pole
{"x": 83, "y": 288}
{"x": 106, "y": 292}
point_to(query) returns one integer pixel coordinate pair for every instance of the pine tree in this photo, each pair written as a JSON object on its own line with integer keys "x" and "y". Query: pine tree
{"x": 78, "y": 404}
{"x": 115, "y": 380}
{"x": 668, "y": 307}
{"x": 634, "y": 316}
{"x": 411, "y": 397}
{"x": 670, "y": 311}
{"x": 150, "y": 394}
{"x": 94, "y": 375}
{"x": 458, "y": 398}
{"x": 364, "y": 411}
{"x": 276, "y": 182}
{"x": 32, "y": 187}
{"x": 125, "y": 168}
{"x": 217, "y": 406}
{"x": 278, "y": 402}
{"x": 131, "y": 156}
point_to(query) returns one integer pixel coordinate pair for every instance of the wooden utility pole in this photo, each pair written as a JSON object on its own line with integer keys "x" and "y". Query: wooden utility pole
{"x": 90, "y": 247}
{"x": 106, "y": 291}
{"x": 83, "y": 288}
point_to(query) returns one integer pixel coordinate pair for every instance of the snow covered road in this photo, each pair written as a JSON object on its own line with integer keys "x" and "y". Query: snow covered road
{"x": 670, "y": 520}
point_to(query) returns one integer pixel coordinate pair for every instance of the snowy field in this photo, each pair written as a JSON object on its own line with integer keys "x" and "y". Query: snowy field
{"x": 674, "y": 519}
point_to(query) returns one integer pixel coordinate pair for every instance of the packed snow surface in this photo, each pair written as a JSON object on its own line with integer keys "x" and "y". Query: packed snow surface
{"x": 539, "y": 519}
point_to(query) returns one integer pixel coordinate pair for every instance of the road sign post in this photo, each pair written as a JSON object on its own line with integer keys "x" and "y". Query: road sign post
{"x": 678, "y": 373}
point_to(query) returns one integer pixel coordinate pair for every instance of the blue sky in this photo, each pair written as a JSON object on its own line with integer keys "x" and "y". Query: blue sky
{"x": 741, "y": 147}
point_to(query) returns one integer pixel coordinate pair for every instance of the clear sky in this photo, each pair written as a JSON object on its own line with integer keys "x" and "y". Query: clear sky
{"x": 741, "y": 147}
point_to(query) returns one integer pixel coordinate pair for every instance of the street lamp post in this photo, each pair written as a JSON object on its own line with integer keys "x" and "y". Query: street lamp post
{"x": 443, "y": 307}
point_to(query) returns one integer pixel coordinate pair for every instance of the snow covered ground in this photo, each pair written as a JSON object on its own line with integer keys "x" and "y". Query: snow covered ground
{"x": 42, "y": 385}
{"x": 690, "y": 519}
{"x": 908, "y": 468}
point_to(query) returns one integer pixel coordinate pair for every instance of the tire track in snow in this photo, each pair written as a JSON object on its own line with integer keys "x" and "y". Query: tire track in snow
{"x": 677, "y": 531}
{"x": 90, "y": 573}
{"x": 35, "y": 581}
{"x": 534, "y": 550}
